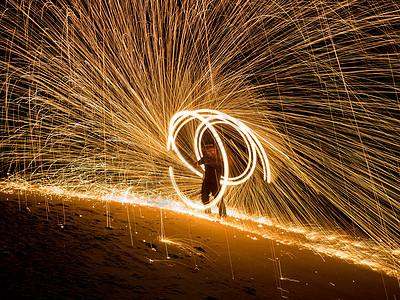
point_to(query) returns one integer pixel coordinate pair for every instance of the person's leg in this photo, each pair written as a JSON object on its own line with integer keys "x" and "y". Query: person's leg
{"x": 205, "y": 196}
{"x": 222, "y": 208}
{"x": 221, "y": 205}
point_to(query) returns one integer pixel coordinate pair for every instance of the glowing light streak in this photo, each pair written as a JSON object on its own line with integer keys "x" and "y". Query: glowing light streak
{"x": 208, "y": 118}
{"x": 171, "y": 140}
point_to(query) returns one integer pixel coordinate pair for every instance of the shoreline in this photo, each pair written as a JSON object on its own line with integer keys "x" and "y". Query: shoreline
{"x": 153, "y": 253}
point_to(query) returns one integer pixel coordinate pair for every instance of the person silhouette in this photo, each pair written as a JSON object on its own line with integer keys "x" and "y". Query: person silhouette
{"x": 212, "y": 177}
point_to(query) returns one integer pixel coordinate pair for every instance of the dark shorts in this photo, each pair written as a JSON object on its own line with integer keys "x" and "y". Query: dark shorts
{"x": 208, "y": 188}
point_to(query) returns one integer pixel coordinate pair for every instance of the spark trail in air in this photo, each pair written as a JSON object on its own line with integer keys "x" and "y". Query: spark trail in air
{"x": 88, "y": 90}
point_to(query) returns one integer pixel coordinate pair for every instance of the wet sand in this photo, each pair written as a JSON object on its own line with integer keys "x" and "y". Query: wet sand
{"x": 53, "y": 247}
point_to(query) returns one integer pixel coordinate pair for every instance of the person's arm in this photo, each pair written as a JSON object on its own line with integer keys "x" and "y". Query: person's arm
{"x": 200, "y": 162}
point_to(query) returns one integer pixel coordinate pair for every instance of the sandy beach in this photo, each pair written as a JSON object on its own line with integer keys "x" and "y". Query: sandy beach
{"x": 57, "y": 248}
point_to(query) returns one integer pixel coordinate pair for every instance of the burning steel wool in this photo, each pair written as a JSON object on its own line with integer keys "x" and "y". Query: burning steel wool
{"x": 304, "y": 97}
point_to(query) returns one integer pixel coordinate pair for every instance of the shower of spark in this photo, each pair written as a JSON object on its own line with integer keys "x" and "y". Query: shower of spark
{"x": 88, "y": 89}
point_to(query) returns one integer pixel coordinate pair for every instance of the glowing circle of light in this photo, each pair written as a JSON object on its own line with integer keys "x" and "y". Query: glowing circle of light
{"x": 208, "y": 118}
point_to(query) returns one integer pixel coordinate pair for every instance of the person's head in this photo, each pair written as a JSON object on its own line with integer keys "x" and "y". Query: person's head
{"x": 211, "y": 150}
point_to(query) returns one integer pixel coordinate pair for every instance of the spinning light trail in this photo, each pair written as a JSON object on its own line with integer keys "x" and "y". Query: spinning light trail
{"x": 208, "y": 118}
{"x": 88, "y": 89}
